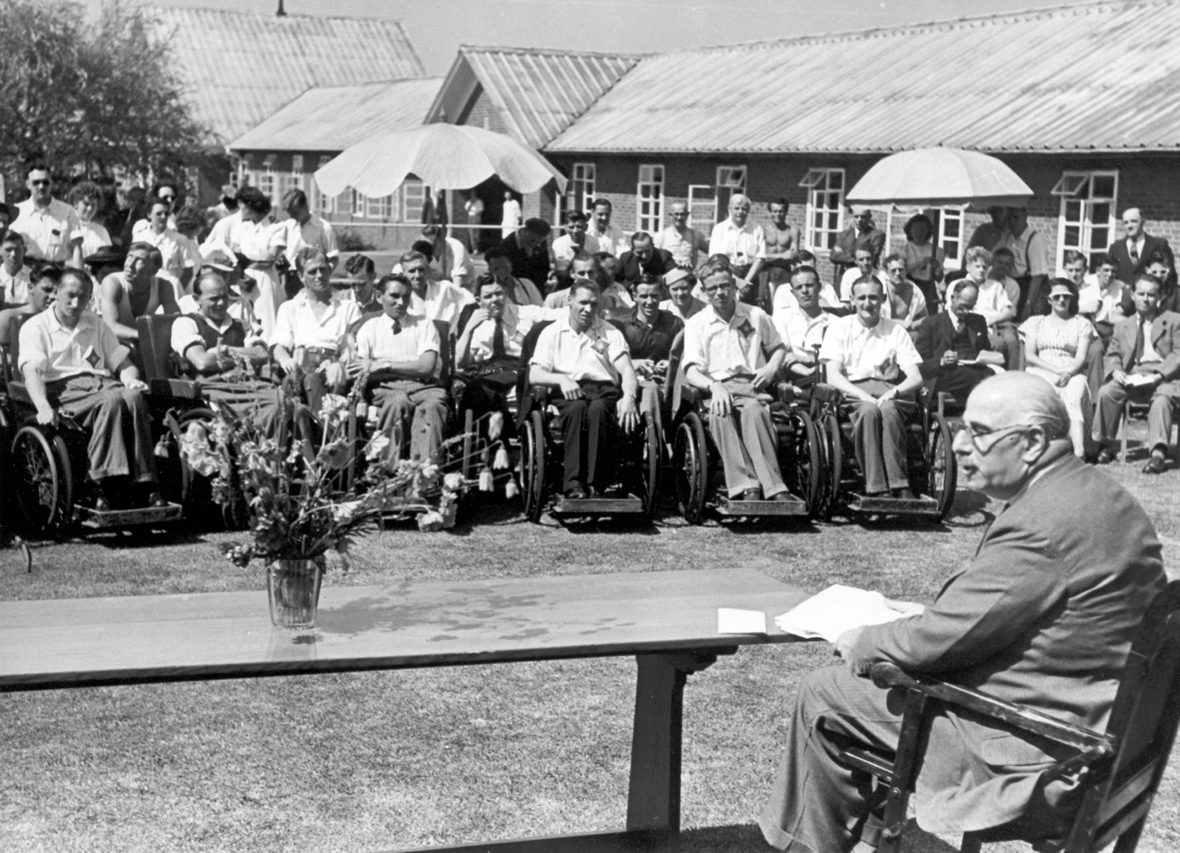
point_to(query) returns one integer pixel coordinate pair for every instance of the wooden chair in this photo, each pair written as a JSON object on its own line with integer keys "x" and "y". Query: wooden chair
{"x": 1139, "y": 410}
{"x": 1120, "y": 770}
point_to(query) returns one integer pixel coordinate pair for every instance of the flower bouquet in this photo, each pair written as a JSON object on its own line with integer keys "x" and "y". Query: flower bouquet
{"x": 310, "y": 487}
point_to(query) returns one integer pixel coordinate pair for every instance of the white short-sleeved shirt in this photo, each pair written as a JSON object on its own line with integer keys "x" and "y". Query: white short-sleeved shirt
{"x": 94, "y": 237}
{"x": 1092, "y": 300}
{"x": 994, "y": 299}
{"x": 227, "y": 232}
{"x": 315, "y": 233}
{"x": 517, "y": 320}
{"x": 563, "y": 247}
{"x": 801, "y": 333}
{"x": 741, "y": 245}
{"x": 849, "y": 278}
{"x": 417, "y": 337}
{"x": 583, "y": 356}
{"x": 611, "y": 240}
{"x": 16, "y": 287}
{"x": 685, "y": 248}
{"x": 784, "y": 299}
{"x": 877, "y": 352}
{"x": 722, "y": 350}
{"x": 443, "y": 301}
{"x": 90, "y": 348}
{"x": 48, "y": 231}
{"x": 297, "y": 325}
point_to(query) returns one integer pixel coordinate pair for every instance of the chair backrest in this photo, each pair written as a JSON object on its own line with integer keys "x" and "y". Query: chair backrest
{"x": 527, "y": 347}
{"x": 155, "y": 343}
{"x": 14, "y": 326}
{"x": 675, "y": 378}
{"x": 1144, "y": 721}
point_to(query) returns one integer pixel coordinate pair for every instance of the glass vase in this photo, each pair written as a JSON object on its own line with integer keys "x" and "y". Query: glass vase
{"x": 293, "y": 587}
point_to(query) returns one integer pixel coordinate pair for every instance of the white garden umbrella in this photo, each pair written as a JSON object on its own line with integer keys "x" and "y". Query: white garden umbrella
{"x": 442, "y": 156}
{"x": 941, "y": 177}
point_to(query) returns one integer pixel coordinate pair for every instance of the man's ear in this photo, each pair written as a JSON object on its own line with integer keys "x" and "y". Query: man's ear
{"x": 1036, "y": 444}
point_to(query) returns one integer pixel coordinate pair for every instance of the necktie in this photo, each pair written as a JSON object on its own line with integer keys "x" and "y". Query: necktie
{"x": 498, "y": 352}
{"x": 1133, "y": 246}
{"x": 1138, "y": 343}
{"x": 397, "y": 327}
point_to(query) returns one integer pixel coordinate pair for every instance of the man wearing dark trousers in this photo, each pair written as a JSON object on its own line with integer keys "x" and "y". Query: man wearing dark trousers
{"x": 954, "y": 344}
{"x": 586, "y": 361}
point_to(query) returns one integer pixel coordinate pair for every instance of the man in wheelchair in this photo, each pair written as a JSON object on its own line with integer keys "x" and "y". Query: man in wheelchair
{"x": 733, "y": 352}
{"x": 802, "y": 326}
{"x": 215, "y": 351}
{"x": 650, "y": 332}
{"x": 586, "y": 361}
{"x": 69, "y": 359}
{"x": 402, "y": 351}
{"x": 873, "y": 363}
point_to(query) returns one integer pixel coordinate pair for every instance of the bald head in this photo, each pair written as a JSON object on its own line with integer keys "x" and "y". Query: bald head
{"x": 1022, "y": 398}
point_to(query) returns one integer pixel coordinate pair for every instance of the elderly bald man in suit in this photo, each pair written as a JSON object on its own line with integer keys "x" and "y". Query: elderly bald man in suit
{"x": 1043, "y": 616}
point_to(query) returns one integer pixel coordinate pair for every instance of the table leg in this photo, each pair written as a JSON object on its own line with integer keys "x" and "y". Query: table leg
{"x": 653, "y": 804}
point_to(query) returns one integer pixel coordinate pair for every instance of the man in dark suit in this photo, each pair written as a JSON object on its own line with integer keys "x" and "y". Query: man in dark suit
{"x": 527, "y": 252}
{"x": 1043, "y": 615}
{"x": 954, "y": 344}
{"x": 1143, "y": 363}
{"x": 644, "y": 259}
{"x": 1131, "y": 254}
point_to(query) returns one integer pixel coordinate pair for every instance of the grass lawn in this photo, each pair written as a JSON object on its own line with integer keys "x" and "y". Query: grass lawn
{"x": 374, "y": 761}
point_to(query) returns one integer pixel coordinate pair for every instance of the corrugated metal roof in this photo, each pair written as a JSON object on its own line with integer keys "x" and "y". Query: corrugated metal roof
{"x": 334, "y": 117}
{"x": 539, "y": 92}
{"x": 1096, "y": 76}
{"x": 242, "y": 67}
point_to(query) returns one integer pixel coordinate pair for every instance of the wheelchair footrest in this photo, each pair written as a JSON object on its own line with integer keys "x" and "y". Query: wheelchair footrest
{"x": 598, "y": 506}
{"x": 101, "y": 520}
{"x": 898, "y": 506}
{"x": 733, "y": 508}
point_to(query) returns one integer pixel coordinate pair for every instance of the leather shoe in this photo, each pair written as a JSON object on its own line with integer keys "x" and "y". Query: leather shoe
{"x": 782, "y": 497}
{"x": 101, "y": 504}
{"x": 1105, "y": 456}
{"x": 904, "y": 494}
{"x": 577, "y": 493}
{"x": 754, "y": 494}
{"x": 156, "y": 501}
{"x": 1155, "y": 465}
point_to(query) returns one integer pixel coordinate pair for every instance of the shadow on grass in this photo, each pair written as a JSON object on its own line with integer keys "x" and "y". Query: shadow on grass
{"x": 609, "y": 524}
{"x": 748, "y": 838}
{"x": 142, "y": 537}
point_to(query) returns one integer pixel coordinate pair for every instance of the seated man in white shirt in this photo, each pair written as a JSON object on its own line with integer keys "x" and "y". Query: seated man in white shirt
{"x": 401, "y": 351}
{"x": 998, "y": 296}
{"x": 609, "y": 236}
{"x": 41, "y": 292}
{"x": 69, "y": 358}
{"x": 433, "y": 300}
{"x": 311, "y": 337}
{"x": 680, "y": 283}
{"x": 14, "y": 278}
{"x": 575, "y": 239}
{"x": 802, "y": 327}
{"x": 866, "y": 264}
{"x": 614, "y": 302}
{"x": 784, "y": 297}
{"x": 733, "y": 352}
{"x": 587, "y": 364}
{"x": 874, "y": 363}
{"x": 487, "y": 352}
{"x": 1100, "y": 298}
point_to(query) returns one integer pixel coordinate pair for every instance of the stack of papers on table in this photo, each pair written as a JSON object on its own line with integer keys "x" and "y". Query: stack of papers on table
{"x": 835, "y": 610}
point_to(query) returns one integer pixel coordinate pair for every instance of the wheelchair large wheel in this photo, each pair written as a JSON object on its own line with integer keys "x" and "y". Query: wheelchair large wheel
{"x": 691, "y": 464}
{"x": 532, "y": 464}
{"x": 942, "y": 468}
{"x": 809, "y": 462}
{"x": 652, "y": 451}
{"x": 43, "y": 480}
{"x": 834, "y": 442}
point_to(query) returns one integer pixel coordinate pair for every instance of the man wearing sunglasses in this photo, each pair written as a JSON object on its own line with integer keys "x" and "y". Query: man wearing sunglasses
{"x": 51, "y": 228}
{"x": 1043, "y": 615}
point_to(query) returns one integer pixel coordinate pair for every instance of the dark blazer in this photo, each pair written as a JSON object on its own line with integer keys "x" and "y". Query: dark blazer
{"x": 1125, "y": 271}
{"x": 936, "y": 335}
{"x": 1165, "y": 337}
{"x": 1043, "y": 615}
{"x": 534, "y": 267}
{"x": 659, "y": 263}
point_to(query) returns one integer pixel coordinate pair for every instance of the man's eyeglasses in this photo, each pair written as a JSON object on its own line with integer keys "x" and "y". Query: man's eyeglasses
{"x": 711, "y": 290}
{"x": 975, "y": 433}
{"x": 42, "y": 183}
{"x": 898, "y": 271}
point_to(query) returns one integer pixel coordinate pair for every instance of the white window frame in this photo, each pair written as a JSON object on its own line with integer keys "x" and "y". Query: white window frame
{"x": 268, "y": 179}
{"x": 649, "y": 198}
{"x": 730, "y": 179}
{"x": 1077, "y": 187}
{"x": 700, "y": 196}
{"x": 414, "y": 195}
{"x": 358, "y": 204}
{"x": 324, "y": 205}
{"x": 584, "y": 179}
{"x": 820, "y": 194}
{"x": 946, "y": 214}
{"x": 380, "y": 207}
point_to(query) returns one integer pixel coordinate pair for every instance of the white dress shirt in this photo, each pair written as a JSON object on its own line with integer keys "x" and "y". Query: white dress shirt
{"x": 801, "y": 333}
{"x": 740, "y": 245}
{"x": 517, "y": 320}
{"x": 48, "y": 231}
{"x": 16, "y": 287}
{"x": 876, "y": 352}
{"x": 315, "y": 233}
{"x": 376, "y": 339}
{"x": 89, "y": 349}
{"x": 723, "y": 349}
{"x": 443, "y": 301}
{"x": 583, "y": 356}
{"x": 298, "y": 326}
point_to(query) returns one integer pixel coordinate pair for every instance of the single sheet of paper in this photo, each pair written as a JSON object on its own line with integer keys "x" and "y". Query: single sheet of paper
{"x": 1134, "y": 379}
{"x": 837, "y": 609}
{"x": 733, "y": 621}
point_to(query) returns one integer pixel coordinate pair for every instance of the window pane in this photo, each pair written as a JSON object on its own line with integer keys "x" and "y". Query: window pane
{"x": 1102, "y": 186}
{"x": 1073, "y": 210}
{"x": 1072, "y": 237}
{"x": 1100, "y": 212}
{"x": 836, "y": 179}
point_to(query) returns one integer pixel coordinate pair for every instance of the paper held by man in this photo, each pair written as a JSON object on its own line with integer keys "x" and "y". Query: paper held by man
{"x": 837, "y": 609}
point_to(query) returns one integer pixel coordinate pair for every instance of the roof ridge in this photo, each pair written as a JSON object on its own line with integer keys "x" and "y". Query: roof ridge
{"x": 940, "y": 23}
{"x": 551, "y": 51}
{"x": 268, "y": 15}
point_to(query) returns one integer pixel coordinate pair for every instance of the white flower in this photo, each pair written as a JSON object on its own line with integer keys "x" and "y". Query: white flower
{"x": 332, "y": 407}
{"x": 376, "y": 446}
{"x": 430, "y": 520}
{"x": 453, "y": 482}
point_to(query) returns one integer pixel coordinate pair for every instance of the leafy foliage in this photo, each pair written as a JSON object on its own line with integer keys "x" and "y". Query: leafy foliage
{"x": 90, "y": 96}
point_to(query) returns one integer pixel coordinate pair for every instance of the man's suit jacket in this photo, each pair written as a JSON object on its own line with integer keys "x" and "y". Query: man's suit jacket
{"x": 1127, "y": 272}
{"x": 1043, "y": 615}
{"x": 936, "y": 335}
{"x": 534, "y": 267}
{"x": 1165, "y": 337}
{"x": 659, "y": 263}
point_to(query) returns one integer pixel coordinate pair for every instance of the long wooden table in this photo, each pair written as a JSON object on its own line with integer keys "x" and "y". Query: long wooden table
{"x": 667, "y": 620}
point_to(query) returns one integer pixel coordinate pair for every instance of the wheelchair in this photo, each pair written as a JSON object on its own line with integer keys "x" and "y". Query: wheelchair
{"x": 542, "y": 458}
{"x": 47, "y": 466}
{"x": 930, "y": 460}
{"x": 697, "y": 465}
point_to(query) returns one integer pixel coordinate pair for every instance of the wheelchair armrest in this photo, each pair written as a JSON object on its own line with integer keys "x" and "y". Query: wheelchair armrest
{"x": 690, "y": 395}
{"x": 825, "y": 393}
{"x": 540, "y": 394}
{"x": 785, "y": 393}
{"x": 19, "y": 392}
{"x": 886, "y": 675}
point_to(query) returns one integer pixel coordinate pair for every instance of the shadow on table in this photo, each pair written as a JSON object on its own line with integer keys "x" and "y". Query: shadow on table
{"x": 748, "y": 839}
